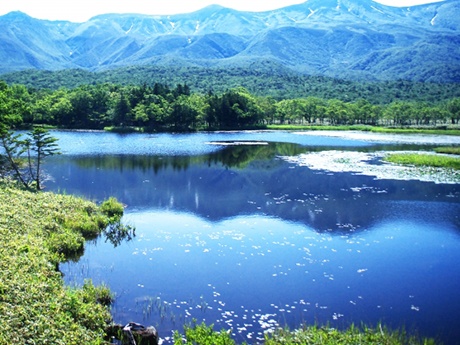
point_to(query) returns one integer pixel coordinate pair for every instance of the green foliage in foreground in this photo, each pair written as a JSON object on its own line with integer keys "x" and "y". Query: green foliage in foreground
{"x": 431, "y": 160}
{"x": 314, "y": 335}
{"x": 202, "y": 335}
{"x": 37, "y": 231}
{"x": 329, "y": 336}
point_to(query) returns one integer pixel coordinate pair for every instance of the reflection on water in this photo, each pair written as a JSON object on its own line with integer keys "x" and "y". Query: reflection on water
{"x": 213, "y": 188}
{"x": 254, "y": 273}
{"x": 242, "y": 239}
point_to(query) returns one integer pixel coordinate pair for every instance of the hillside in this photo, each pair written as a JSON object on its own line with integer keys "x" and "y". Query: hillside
{"x": 260, "y": 78}
{"x": 352, "y": 39}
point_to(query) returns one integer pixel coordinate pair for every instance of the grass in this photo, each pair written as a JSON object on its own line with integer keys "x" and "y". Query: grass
{"x": 431, "y": 160}
{"x": 452, "y": 150}
{"x": 314, "y": 335}
{"x": 37, "y": 232}
{"x": 112, "y": 208}
{"x": 365, "y": 128}
{"x": 318, "y": 127}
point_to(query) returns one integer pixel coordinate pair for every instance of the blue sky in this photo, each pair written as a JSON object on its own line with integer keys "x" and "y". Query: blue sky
{"x": 82, "y": 10}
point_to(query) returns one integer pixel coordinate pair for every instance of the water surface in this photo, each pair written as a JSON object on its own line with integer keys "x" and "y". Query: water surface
{"x": 237, "y": 236}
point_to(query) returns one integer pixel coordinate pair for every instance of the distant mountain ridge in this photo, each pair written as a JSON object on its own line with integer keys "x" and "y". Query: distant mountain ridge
{"x": 358, "y": 39}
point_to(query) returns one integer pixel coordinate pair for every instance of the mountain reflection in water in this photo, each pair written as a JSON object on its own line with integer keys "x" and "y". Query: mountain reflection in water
{"x": 247, "y": 241}
{"x": 241, "y": 180}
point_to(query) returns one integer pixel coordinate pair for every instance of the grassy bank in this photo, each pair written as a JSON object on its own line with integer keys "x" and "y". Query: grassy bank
{"x": 373, "y": 129}
{"x": 37, "y": 231}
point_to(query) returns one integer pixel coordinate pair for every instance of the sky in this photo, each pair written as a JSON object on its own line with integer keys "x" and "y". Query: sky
{"x": 82, "y": 10}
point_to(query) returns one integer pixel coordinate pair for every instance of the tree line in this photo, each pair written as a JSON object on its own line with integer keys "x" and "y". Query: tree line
{"x": 163, "y": 108}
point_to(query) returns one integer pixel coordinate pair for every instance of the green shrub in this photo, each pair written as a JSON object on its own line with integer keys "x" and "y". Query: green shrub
{"x": 203, "y": 335}
{"x": 112, "y": 208}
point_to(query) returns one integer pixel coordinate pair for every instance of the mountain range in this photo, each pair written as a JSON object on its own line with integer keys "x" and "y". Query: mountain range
{"x": 358, "y": 39}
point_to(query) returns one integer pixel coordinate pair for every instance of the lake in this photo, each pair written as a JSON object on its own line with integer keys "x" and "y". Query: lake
{"x": 247, "y": 231}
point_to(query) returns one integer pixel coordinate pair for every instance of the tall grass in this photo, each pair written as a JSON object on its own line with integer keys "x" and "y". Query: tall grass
{"x": 316, "y": 335}
{"x": 201, "y": 334}
{"x": 37, "y": 232}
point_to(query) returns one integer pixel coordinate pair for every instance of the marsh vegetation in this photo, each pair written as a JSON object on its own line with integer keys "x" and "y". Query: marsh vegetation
{"x": 38, "y": 232}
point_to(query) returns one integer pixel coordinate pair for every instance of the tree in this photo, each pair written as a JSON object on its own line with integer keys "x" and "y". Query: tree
{"x": 122, "y": 111}
{"x": 314, "y": 109}
{"x": 400, "y": 113}
{"x": 11, "y": 109}
{"x": 38, "y": 141}
{"x": 183, "y": 115}
{"x": 14, "y": 147}
{"x": 337, "y": 112}
{"x": 44, "y": 145}
{"x": 454, "y": 109}
{"x": 288, "y": 110}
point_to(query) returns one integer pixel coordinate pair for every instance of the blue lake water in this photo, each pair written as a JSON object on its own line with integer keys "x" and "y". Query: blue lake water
{"x": 238, "y": 237}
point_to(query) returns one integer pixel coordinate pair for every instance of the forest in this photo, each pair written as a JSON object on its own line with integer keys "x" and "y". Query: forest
{"x": 159, "y": 107}
{"x": 260, "y": 79}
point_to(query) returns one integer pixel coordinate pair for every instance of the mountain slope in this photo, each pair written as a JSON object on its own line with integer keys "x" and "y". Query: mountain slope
{"x": 340, "y": 38}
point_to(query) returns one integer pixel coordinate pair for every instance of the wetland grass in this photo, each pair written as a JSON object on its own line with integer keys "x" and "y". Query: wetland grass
{"x": 430, "y": 160}
{"x": 451, "y": 150}
{"x": 202, "y": 334}
{"x": 316, "y": 335}
{"x": 367, "y": 128}
{"x": 38, "y": 231}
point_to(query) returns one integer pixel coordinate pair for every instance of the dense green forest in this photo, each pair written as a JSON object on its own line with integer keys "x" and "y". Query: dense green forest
{"x": 259, "y": 78}
{"x": 159, "y": 107}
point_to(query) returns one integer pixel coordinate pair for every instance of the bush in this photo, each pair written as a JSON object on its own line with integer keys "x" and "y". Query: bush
{"x": 112, "y": 209}
{"x": 203, "y": 335}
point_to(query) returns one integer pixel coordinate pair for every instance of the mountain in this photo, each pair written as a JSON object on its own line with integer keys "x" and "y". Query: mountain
{"x": 358, "y": 39}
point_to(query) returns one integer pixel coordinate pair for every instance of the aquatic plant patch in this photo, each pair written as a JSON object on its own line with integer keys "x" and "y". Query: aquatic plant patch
{"x": 431, "y": 160}
{"x": 454, "y": 150}
{"x": 359, "y": 163}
